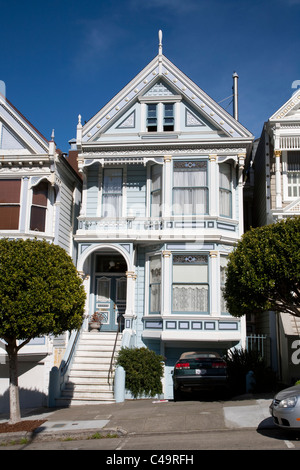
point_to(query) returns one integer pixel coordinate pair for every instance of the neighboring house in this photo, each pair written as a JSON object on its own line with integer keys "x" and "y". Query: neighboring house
{"x": 39, "y": 197}
{"x": 162, "y": 207}
{"x": 276, "y": 195}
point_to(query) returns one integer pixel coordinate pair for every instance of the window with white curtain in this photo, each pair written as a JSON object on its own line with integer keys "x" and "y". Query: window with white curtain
{"x": 225, "y": 196}
{"x": 155, "y": 283}
{"x": 112, "y": 192}
{"x": 190, "y": 284}
{"x": 156, "y": 185}
{"x": 293, "y": 173}
{"x": 223, "y": 264}
{"x": 190, "y": 191}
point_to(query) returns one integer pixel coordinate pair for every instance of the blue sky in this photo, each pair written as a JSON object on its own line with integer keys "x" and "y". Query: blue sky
{"x": 62, "y": 58}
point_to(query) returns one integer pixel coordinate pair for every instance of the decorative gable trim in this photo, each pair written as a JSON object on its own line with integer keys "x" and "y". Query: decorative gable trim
{"x": 191, "y": 120}
{"x": 128, "y": 122}
{"x": 21, "y": 127}
{"x": 290, "y": 106}
{"x": 159, "y": 70}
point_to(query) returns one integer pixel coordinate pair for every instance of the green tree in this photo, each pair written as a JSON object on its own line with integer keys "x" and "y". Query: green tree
{"x": 263, "y": 271}
{"x": 41, "y": 294}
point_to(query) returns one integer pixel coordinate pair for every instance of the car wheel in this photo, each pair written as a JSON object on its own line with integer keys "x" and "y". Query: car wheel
{"x": 177, "y": 394}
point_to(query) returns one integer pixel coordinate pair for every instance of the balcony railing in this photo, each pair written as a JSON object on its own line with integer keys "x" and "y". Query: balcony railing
{"x": 129, "y": 225}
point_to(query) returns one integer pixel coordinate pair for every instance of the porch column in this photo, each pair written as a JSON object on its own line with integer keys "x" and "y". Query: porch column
{"x": 84, "y": 194}
{"x": 241, "y": 162}
{"x": 213, "y": 185}
{"x": 277, "y": 154}
{"x": 214, "y": 284}
{"x": 167, "y": 186}
{"x": 130, "y": 298}
{"x": 166, "y": 283}
{"x": 86, "y": 284}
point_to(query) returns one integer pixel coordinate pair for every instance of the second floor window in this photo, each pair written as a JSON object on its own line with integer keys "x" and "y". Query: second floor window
{"x": 190, "y": 191}
{"x": 112, "y": 192}
{"x": 293, "y": 174}
{"x": 9, "y": 204}
{"x": 156, "y": 180}
{"x": 225, "y": 203}
{"x": 39, "y": 207}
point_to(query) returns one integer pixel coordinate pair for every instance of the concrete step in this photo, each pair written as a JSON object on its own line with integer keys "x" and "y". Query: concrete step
{"x": 88, "y": 378}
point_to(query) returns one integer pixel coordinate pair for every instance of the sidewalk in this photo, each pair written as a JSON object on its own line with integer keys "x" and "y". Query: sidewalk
{"x": 146, "y": 416}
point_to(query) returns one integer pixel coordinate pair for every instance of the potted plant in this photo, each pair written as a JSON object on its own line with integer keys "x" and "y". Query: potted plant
{"x": 96, "y": 321}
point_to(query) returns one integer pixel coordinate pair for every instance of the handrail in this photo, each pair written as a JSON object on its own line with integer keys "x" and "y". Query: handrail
{"x": 114, "y": 348}
{"x": 69, "y": 353}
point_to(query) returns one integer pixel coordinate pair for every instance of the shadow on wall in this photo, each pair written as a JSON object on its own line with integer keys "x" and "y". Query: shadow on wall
{"x": 28, "y": 399}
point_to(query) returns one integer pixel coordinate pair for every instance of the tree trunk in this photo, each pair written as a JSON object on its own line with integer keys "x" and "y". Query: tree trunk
{"x": 14, "y": 402}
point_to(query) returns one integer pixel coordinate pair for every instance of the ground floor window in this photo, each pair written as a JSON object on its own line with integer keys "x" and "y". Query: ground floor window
{"x": 155, "y": 284}
{"x": 190, "y": 283}
{"x": 223, "y": 264}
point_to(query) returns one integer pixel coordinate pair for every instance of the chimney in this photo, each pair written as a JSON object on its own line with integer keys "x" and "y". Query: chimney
{"x": 235, "y": 96}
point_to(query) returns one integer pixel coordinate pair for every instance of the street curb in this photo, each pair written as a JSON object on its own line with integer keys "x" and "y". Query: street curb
{"x": 41, "y": 435}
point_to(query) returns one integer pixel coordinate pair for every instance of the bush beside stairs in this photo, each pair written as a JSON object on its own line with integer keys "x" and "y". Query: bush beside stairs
{"x": 88, "y": 378}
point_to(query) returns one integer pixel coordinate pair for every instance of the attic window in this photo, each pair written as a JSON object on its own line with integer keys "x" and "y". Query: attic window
{"x": 152, "y": 118}
{"x": 169, "y": 117}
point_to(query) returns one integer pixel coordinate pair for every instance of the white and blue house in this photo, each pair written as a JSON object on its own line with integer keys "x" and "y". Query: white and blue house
{"x": 162, "y": 166}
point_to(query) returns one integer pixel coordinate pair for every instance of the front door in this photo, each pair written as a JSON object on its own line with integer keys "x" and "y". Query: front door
{"x": 111, "y": 300}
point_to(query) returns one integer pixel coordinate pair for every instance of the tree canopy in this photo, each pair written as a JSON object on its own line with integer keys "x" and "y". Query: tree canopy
{"x": 40, "y": 290}
{"x": 41, "y": 294}
{"x": 263, "y": 272}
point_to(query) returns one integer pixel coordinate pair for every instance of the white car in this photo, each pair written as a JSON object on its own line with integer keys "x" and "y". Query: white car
{"x": 285, "y": 408}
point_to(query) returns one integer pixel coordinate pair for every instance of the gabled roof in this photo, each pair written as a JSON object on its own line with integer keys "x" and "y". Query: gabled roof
{"x": 160, "y": 68}
{"x": 17, "y": 133}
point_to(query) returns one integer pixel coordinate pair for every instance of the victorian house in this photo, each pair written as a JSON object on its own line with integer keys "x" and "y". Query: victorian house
{"x": 276, "y": 195}
{"x": 39, "y": 198}
{"x": 162, "y": 207}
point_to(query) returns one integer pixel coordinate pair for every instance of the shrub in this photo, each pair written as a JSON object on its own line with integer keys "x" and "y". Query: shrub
{"x": 144, "y": 371}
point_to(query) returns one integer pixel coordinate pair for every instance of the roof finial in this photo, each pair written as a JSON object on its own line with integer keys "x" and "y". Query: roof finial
{"x": 160, "y": 42}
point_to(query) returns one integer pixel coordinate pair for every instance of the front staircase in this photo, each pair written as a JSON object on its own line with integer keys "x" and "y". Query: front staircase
{"x": 89, "y": 382}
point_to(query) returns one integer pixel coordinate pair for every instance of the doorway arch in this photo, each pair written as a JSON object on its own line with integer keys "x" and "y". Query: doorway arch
{"x": 107, "y": 270}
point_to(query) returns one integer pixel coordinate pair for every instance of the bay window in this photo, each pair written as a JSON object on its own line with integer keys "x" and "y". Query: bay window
{"x": 190, "y": 191}
{"x": 190, "y": 284}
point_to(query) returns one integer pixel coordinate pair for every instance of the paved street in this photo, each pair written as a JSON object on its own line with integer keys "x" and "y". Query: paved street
{"x": 242, "y": 423}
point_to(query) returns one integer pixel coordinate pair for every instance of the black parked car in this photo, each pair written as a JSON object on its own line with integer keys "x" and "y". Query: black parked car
{"x": 199, "y": 371}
